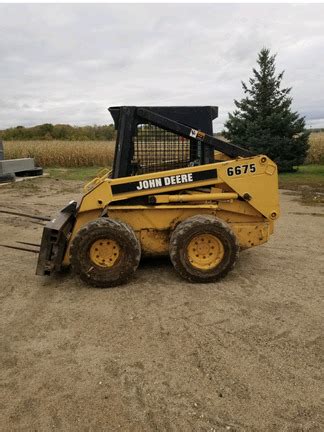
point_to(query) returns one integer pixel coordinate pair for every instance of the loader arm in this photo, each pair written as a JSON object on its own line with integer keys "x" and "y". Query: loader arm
{"x": 257, "y": 175}
{"x": 227, "y": 148}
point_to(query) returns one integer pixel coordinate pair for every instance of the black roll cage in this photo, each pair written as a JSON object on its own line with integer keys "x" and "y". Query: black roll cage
{"x": 193, "y": 123}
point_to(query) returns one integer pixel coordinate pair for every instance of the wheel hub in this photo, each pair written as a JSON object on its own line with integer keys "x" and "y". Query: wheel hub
{"x": 104, "y": 252}
{"x": 205, "y": 251}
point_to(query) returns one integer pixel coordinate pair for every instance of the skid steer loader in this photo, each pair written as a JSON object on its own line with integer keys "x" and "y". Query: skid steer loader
{"x": 175, "y": 190}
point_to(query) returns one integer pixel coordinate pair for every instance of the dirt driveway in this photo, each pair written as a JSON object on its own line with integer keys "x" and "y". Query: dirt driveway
{"x": 160, "y": 354}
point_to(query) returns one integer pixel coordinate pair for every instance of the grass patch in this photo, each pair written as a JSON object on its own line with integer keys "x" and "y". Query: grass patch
{"x": 307, "y": 175}
{"x": 309, "y": 180}
{"x": 82, "y": 173}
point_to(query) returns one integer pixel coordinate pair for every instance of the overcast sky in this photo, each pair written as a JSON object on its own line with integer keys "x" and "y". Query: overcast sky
{"x": 68, "y": 63}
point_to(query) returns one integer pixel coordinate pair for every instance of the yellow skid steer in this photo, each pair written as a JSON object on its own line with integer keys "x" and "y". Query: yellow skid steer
{"x": 175, "y": 190}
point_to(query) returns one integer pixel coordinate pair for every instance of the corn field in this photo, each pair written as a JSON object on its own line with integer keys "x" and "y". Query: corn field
{"x": 101, "y": 153}
{"x": 62, "y": 153}
{"x": 316, "y": 150}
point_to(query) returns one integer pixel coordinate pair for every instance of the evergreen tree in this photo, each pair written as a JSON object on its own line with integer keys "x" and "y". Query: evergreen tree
{"x": 264, "y": 122}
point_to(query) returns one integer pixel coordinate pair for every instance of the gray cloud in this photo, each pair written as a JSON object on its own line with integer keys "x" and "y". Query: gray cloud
{"x": 68, "y": 63}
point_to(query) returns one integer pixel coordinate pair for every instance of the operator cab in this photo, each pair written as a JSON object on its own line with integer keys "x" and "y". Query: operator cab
{"x": 143, "y": 147}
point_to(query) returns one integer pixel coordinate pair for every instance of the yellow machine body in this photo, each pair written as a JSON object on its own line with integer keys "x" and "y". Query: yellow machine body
{"x": 243, "y": 193}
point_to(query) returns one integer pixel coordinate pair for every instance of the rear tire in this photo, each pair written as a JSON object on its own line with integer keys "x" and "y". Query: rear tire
{"x": 105, "y": 253}
{"x": 203, "y": 249}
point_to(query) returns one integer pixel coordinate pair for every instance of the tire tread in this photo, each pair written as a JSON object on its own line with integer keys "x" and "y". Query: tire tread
{"x": 183, "y": 230}
{"x": 121, "y": 230}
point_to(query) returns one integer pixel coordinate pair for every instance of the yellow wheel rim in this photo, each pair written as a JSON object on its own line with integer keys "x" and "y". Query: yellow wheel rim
{"x": 104, "y": 252}
{"x": 205, "y": 251}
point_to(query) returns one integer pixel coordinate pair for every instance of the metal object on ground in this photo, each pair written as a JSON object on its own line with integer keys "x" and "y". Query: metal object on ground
{"x": 10, "y": 212}
{"x": 175, "y": 189}
{"x": 20, "y": 248}
{"x": 29, "y": 244}
{"x": 34, "y": 245}
{"x": 9, "y": 168}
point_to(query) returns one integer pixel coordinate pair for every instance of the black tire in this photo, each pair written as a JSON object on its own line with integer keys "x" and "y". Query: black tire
{"x": 185, "y": 232}
{"x": 122, "y": 269}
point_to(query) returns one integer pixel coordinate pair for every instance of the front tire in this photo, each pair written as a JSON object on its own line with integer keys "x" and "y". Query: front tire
{"x": 203, "y": 248}
{"x": 105, "y": 253}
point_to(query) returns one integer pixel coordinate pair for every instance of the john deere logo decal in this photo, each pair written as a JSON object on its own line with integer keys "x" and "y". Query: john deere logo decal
{"x": 165, "y": 181}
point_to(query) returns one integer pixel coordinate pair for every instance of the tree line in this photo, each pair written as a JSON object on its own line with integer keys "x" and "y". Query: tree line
{"x": 48, "y": 131}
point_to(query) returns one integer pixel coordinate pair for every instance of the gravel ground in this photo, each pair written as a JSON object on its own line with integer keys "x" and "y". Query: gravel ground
{"x": 160, "y": 354}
